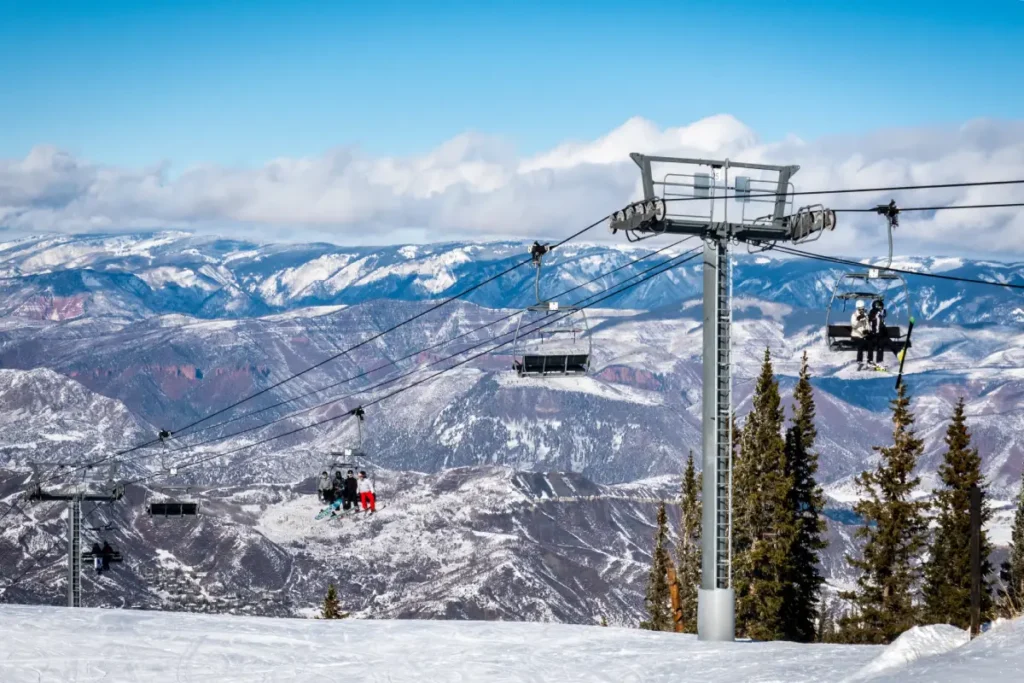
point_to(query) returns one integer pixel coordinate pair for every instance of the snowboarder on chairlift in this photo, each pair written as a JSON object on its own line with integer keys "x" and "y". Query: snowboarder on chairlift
{"x": 366, "y": 494}
{"x": 351, "y": 491}
{"x": 324, "y": 487}
{"x": 879, "y": 336}
{"x": 860, "y": 332}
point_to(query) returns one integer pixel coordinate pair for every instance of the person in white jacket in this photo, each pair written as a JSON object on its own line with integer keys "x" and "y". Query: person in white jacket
{"x": 366, "y": 493}
{"x": 324, "y": 487}
{"x": 860, "y": 331}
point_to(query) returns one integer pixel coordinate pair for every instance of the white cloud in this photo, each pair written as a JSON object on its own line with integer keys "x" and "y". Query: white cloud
{"x": 477, "y": 187}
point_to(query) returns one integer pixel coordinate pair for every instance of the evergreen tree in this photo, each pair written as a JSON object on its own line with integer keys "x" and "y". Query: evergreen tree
{"x": 765, "y": 528}
{"x": 826, "y": 629}
{"x": 804, "y": 410}
{"x": 947, "y": 589}
{"x": 1011, "y": 573}
{"x": 895, "y": 532}
{"x": 688, "y": 550}
{"x": 806, "y": 503}
{"x": 332, "y": 608}
{"x": 658, "y": 600}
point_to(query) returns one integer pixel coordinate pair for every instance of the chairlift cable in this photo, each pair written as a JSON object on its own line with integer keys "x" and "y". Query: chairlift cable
{"x": 524, "y": 262}
{"x": 411, "y": 372}
{"x": 374, "y": 337}
{"x": 408, "y": 373}
{"x": 376, "y": 369}
{"x": 847, "y": 262}
{"x": 940, "y": 208}
{"x": 437, "y": 345}
{"x": 688, "y": 257}
{"x": 856, "y": 190}
{"x": 589, "y": 227}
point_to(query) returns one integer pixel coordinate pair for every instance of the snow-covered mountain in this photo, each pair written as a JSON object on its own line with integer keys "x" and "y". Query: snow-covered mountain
{"x": 106, "y": 340}
{"x": 58, "y": 277}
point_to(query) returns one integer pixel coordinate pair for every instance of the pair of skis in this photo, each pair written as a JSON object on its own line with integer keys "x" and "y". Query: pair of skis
{"x": 334, "y": 510}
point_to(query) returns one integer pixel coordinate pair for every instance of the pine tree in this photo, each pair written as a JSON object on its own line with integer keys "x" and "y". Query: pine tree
{"x": 895, "y": 531}
{"x": 657, "y": 600}
{"x": 765, "y": 526}
{"x": 806, "y": 503}
{"x": 804, "y": 410}
{"x": 332, "y": 608}
{"x": 947, "y": 589}
{"x": 688, "y": 551}
{"x": 826, "y": 630}
{"x": 1011, "y": 573}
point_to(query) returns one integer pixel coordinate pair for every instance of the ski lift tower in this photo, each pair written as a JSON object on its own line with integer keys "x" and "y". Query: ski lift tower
{"x": 724, "y": 203}
{"x": 75, "y": 495}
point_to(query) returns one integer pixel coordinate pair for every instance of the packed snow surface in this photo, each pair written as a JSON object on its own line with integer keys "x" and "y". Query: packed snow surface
{"x": 58, "y": 644}
{"x": 997, "y": 655}
{"x": 917, "y": 643}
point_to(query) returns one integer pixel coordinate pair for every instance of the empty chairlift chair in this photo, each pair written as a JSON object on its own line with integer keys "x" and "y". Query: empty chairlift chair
{"x": 173, "y": 508}
{"x": 550, "y": 340}
{"x": 171, "y": 501}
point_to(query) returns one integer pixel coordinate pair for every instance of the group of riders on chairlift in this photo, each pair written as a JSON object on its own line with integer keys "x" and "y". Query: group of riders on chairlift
{"x": 347, "y": 493}
{"x": 867, "y": 328}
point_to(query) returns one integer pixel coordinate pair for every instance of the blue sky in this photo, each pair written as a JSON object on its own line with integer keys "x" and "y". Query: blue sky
{"x": 134, "y": 83}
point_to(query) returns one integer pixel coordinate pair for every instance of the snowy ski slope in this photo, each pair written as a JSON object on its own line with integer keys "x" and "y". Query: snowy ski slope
{"x": 39, "y": 644}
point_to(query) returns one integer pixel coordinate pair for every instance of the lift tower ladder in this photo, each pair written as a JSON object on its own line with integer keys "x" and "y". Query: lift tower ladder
{"x": 722, "y": 202}
{"x": 75, "y": 497}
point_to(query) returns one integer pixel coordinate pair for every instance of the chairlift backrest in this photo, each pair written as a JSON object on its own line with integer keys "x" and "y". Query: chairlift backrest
{"x": 173, "y": 509}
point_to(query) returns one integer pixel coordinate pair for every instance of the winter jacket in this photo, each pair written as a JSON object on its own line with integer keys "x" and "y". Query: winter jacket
{"x": 876, "y": 318}
{"x": 351, "y": 488}
{"x": 859, "y": 325}
{"x": 365, "y": 486}
{"x": 325, "y": 483}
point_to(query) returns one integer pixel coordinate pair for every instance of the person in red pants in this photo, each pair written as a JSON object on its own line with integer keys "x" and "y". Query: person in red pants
{"x": 366, "y": 495}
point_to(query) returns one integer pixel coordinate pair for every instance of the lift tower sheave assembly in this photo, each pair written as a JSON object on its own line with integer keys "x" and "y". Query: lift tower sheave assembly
{"x": 722, "y": 202}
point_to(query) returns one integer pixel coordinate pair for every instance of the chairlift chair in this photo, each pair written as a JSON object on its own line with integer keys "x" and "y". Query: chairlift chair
{"x": 550, "y": 340}
{"x": 874, "y": 284}
{"x": 172, "y": 501}
{"x": 350, "y": 457}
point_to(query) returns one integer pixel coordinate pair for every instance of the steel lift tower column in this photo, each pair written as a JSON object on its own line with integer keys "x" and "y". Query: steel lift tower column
{"x": 724, "y": 203}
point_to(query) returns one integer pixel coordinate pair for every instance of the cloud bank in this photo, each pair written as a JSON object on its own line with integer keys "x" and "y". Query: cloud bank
{"x": 478, "y": 187}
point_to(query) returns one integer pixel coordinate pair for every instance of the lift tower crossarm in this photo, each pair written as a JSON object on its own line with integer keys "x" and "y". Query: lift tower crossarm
{"x": 685, "y": 199}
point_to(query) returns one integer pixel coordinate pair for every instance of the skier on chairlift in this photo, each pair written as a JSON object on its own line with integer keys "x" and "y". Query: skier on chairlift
{"x": 351, "y": 492}
{"x": 324, "y": 487}
{"x": 879, "y": 336}
{"x": 860, "y": 332}
{"x": 97, "y": 557}
{"x": 366, "y": 494}
{"x": 108, "y": 553}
